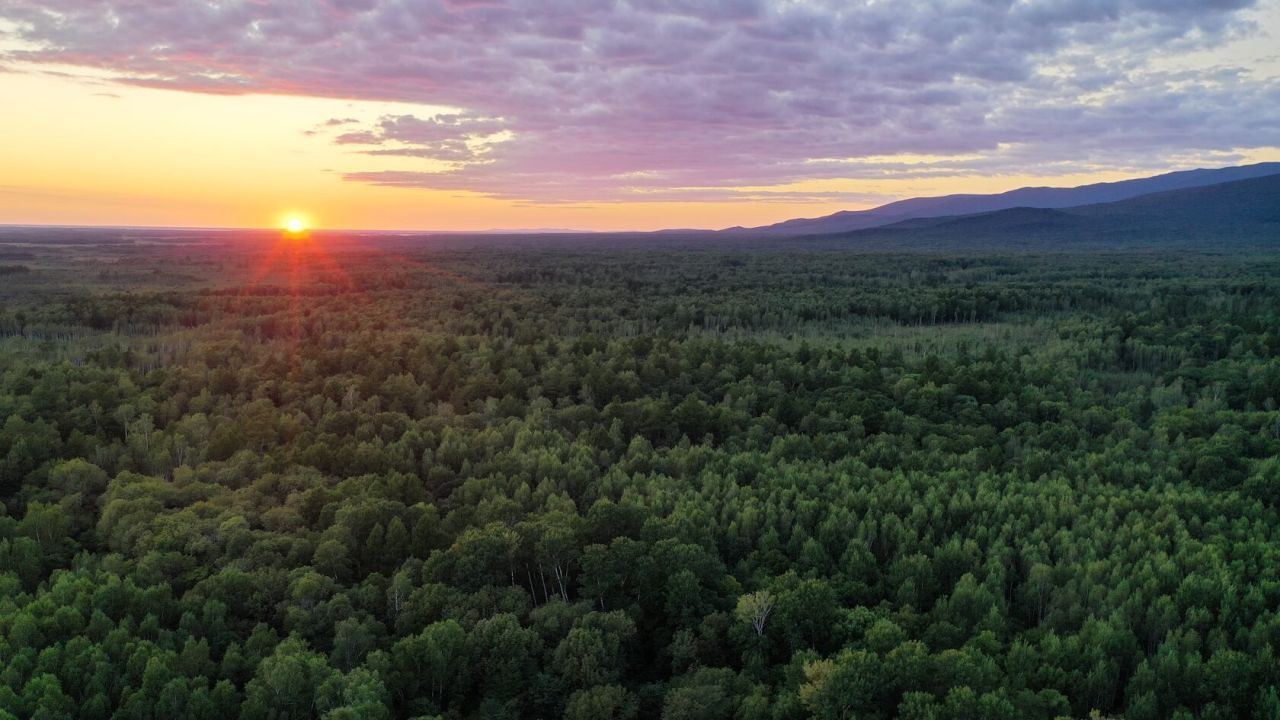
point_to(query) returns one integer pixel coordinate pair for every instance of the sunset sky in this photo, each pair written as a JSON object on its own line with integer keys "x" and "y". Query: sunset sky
{"x": 482, "y": 114}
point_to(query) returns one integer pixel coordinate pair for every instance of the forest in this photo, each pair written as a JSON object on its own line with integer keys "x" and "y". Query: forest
{"x": 281, "y": 479}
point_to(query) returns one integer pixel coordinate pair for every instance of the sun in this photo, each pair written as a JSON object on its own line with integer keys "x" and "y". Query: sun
{"x": 295, "y": 224}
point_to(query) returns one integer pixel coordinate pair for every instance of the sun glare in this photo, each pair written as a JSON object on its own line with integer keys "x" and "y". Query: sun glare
{"x": 295, "y": 224}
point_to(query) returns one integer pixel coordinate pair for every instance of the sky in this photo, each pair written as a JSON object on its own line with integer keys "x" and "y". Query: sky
{"x": 608, "y": 114}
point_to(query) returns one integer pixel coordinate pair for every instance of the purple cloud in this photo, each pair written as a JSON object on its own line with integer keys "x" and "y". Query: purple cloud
{"x": 693, "y": 99}
{"x": 447, "y": 137}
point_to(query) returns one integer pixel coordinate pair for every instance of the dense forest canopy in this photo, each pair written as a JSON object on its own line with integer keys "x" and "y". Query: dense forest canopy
{"x": 596, "y": 482}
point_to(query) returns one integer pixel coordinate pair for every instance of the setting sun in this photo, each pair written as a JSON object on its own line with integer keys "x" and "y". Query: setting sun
{"x": 295, "y": 224}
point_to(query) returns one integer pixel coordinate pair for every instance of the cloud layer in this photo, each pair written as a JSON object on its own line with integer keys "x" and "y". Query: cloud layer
{"x": 591, "y": 100}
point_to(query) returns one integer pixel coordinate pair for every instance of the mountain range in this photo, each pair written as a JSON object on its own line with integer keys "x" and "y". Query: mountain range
{"x": 1231, "y": 215}
{"x": 898, "y": 215}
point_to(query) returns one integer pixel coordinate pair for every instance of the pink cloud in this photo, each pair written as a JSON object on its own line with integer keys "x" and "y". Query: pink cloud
{"x": 608, "y": 99}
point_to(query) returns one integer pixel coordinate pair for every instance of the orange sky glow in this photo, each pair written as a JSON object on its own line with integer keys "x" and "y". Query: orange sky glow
{"x": 85, "y": 145}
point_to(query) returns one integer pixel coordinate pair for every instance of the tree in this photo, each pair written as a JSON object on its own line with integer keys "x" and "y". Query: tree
{"x": 431, "y": 663}
{"x": 363, "y": 698}
{"x": 602, "y": 702}
{"x": 844, "y": 687}
{"x": 754, "y": 608}
{"x": 288, "y": 684}
{"x": 353, "y": 638}
{"x": 507, "y": 652}
{"x": 594, "y": 652}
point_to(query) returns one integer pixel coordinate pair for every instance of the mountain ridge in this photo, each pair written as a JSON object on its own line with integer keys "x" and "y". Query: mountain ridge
{"x": 1032, "y": 197}
{"x": 1231, "y": 214}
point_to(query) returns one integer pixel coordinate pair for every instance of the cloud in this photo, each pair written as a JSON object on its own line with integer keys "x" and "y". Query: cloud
{"x": 604, "y": 100}
{"x": 449, "y": 138}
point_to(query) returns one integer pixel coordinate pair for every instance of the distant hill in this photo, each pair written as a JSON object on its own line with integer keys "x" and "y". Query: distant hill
{"x": 1030, "y": 197}
{"x": 1231, "y": 215}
